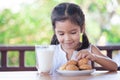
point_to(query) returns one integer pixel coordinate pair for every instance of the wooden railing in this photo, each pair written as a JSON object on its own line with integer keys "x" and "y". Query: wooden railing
{"x": 23, "y": 49}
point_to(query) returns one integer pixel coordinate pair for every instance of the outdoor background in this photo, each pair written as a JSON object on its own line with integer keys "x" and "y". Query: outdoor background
{"x": 27, "y": 22}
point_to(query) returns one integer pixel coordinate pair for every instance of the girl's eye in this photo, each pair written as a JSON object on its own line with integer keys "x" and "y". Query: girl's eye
{"x": 73, "y": 32}
{"x": 61, "y": 34}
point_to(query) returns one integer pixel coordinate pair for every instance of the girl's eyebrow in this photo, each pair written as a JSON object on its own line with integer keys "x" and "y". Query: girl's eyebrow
{"x": 74, "y": 30}
{"x": 70, "y": 30}
{"x": 59, "y": 31}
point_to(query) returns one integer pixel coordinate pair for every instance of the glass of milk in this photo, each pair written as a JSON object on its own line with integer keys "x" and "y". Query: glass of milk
{"x": 44, "y": 57}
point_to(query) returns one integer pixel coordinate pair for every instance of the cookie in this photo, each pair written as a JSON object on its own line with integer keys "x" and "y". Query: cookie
{"x": 73, "y": 62}
{"x": 72, "y": 67}
{"x": 85, "y": 67}
{"x": 83, "y": 61}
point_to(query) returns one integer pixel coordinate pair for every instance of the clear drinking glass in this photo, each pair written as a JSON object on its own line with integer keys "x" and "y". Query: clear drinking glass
{"x": 44, "y": 57}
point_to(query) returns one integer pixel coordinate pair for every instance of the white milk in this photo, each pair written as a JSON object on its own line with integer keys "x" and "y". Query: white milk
{"x": 44, "y": 56}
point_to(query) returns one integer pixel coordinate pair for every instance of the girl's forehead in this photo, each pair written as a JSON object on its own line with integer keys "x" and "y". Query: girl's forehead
{"x": 66, "y": 25}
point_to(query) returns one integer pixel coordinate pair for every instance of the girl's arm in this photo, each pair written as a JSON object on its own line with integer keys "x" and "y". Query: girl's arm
{"x": 103, "y": 60}
{"x": 96, "y": 56}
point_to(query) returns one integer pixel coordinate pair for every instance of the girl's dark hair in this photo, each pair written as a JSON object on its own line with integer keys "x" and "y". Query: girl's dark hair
{"x": 72, "y": 12}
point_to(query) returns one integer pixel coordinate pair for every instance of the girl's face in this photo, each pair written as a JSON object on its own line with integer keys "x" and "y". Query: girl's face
{"x": 68, "y": 34}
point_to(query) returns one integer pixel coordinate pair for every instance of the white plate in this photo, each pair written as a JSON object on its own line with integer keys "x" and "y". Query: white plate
{"x": 75, "y": 73}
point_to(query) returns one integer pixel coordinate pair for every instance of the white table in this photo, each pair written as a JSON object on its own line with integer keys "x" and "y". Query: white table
{"x": 33, "y": 75}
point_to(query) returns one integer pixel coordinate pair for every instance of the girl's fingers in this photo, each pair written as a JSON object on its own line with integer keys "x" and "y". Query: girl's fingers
{"x": 91, "y": 57}
{"x": 82, "y": 54}
{"x": 88, "y": 57}
{"x": 78, "y": 56}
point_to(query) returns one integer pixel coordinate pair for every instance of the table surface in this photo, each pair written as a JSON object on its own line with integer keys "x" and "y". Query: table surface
{"x": 33, "y": 75}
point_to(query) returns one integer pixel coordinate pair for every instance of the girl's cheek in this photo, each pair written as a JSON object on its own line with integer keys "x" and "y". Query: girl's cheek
{"x": 60, "y": 39}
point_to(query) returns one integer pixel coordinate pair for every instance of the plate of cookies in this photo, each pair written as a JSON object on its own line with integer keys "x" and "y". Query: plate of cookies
{"x": 75, "y": 68}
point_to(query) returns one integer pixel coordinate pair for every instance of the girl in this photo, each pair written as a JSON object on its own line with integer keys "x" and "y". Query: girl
{"x": 68, "y": 23}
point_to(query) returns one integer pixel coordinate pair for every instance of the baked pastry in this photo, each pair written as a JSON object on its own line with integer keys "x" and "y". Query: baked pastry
{"x": 73, "y": 62}
{"x": 85, "y": 67}
{"x": 81, "y": 64}
{"x": 83, "y": 61}
{"x": 63, "y": 67}
{"x": 72, "y": 67}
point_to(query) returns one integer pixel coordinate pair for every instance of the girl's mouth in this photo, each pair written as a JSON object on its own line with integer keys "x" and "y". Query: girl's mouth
{"x": 69, "y": 44}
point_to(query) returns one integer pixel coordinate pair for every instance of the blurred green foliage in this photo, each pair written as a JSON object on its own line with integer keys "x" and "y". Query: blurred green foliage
{"x": 32, "y": 25}
{"x": 13, "y": 58}
{"x": 30, "y": 58}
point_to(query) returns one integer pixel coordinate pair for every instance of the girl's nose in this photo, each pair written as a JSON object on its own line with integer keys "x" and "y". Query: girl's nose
{"x": 67, "y": 37}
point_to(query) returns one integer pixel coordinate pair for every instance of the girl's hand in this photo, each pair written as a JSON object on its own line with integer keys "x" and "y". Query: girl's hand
{"x": 85, "y": 54}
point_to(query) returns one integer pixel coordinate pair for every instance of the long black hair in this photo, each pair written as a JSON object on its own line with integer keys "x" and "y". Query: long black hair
{"x": 72, "y": 12}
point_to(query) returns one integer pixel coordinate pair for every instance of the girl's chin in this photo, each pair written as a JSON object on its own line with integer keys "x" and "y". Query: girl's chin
{"x": 69, "y": 47}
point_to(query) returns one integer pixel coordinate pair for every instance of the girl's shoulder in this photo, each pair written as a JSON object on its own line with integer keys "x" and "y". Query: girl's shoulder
{"x": 95, "y": 49}
{"x": 57, "y": 47}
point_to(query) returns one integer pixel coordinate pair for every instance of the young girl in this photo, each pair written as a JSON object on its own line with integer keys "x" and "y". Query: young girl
{"x": 68, "y": 23}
